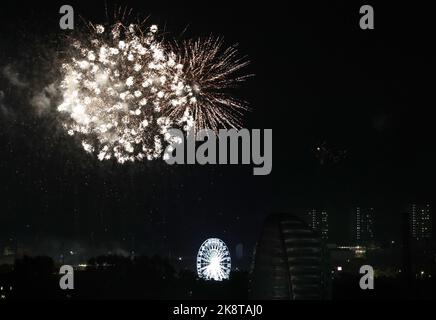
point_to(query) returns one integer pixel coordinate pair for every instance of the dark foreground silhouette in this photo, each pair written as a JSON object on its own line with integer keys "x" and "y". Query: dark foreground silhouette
{"x": 116, "y": 277}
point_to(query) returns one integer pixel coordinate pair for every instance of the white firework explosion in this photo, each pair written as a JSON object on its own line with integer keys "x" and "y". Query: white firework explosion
{"x": 123, "y": 90}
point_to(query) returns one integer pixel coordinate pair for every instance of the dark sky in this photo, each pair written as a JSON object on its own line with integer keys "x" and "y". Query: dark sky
{"x": 319, "y": 79}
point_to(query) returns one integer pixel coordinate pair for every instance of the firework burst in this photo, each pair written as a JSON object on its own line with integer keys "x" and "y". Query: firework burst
{"x": 210, "y": 70}
{"x": 123, "y": 89}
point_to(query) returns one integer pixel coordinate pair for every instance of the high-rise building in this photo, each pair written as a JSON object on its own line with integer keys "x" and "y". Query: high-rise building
{"x": 318, "y": 221}
{"x": 421, "y": 221}
{"x": 364, "y": 225}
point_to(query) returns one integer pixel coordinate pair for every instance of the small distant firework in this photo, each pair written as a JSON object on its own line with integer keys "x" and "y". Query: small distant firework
{"x": 123, "y": 89}
{"x": 326, "y": 154}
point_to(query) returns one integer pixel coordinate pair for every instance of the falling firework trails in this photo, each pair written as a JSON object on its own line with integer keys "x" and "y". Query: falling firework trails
{"x": 123, "y": 89}
{"x": 209, "y": 70}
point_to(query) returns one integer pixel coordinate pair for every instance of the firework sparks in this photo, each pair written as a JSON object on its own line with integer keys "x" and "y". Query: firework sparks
{"x": 210, "y": 70}
{"x": 123, "y": 90}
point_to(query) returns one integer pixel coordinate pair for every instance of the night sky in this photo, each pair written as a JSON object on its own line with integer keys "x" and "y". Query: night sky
{"x": 367, "y": 96}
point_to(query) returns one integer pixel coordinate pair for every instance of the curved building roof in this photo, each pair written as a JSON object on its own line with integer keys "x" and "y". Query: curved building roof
{"x": 290, "y": 261}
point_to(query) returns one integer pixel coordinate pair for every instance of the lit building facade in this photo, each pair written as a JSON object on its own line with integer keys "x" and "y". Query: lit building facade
{"x": 364, "y": 225}
{"x": 421, "y": 222}
{"x": 319, "y": 221}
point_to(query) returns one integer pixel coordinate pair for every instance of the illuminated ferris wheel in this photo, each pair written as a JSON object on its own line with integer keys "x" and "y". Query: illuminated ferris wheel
{"x": 213, "y": 260}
